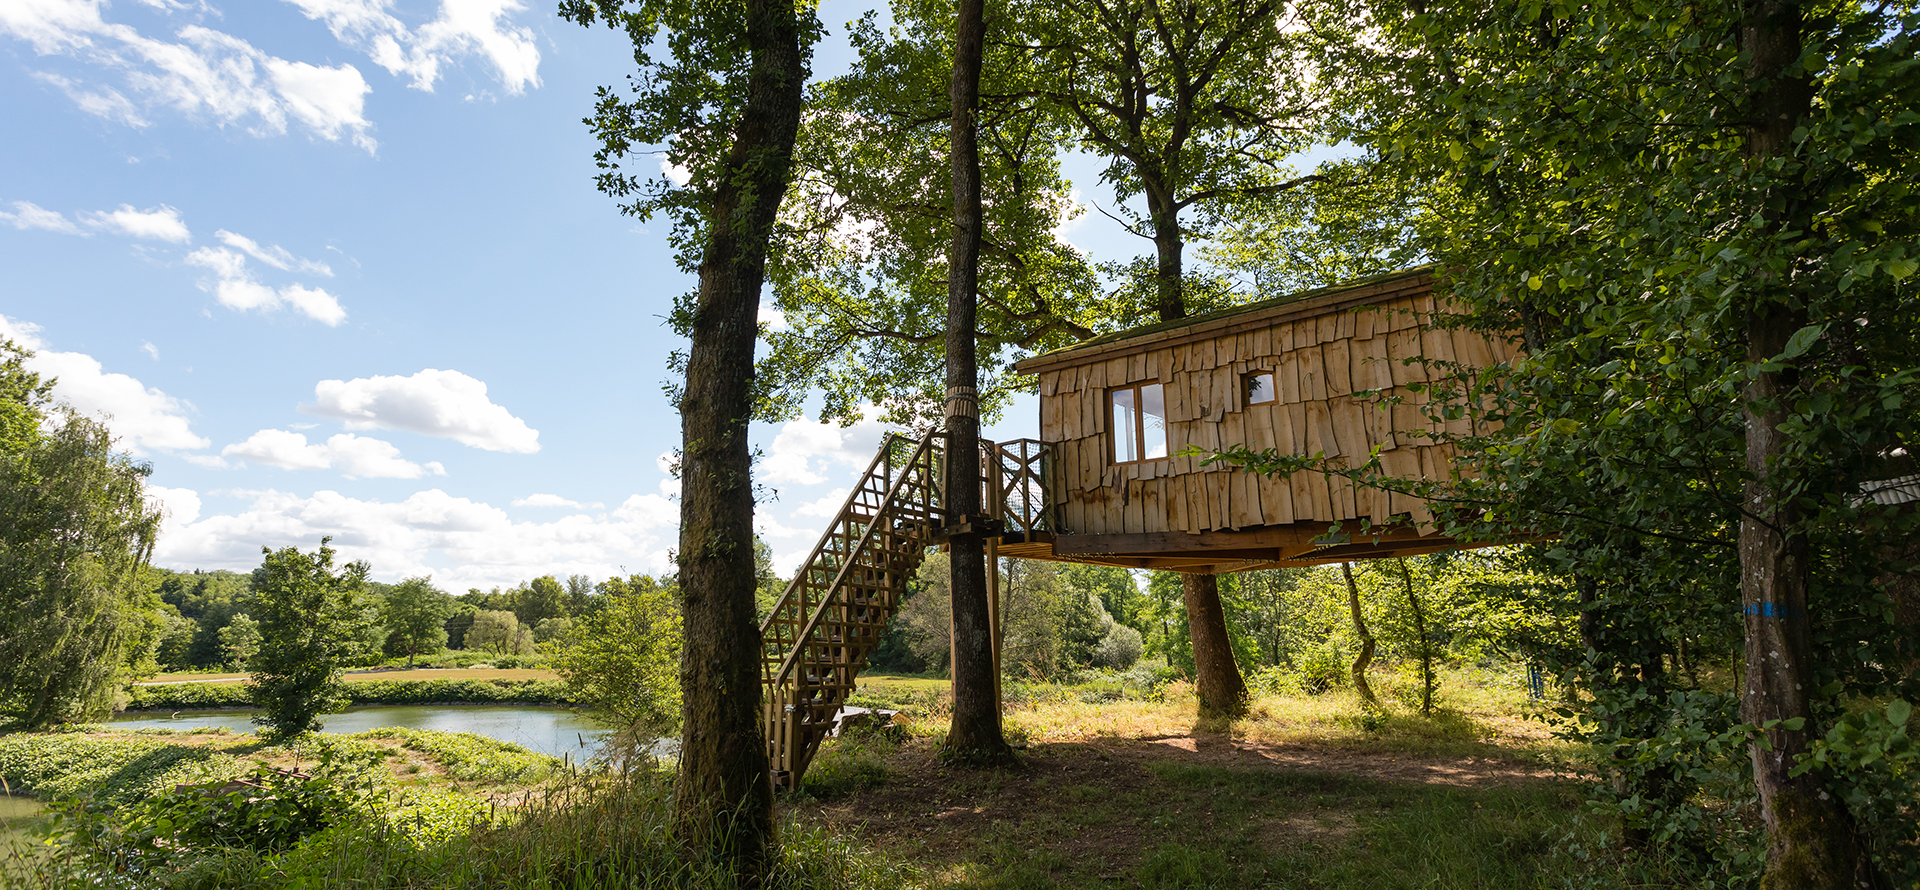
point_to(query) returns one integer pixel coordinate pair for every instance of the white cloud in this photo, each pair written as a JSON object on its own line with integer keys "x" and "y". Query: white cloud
{"x": 160, "y": 223}
{"x": 103, "y": 101}
{"x": 152, "y": 351}
{"x": 553, "y": 500}
{"x": 235, "y": 287}
{"x": 447, "y": 404}
{"x": 142, "y": 417}
{"x": 675, "y": 173}
{"x": 826, "y": 507}
{"x": 463, "y": 27}
{"x": 207, "y": 74}
{"x": 462, "y": 543}
{"x": 182, "y": 505}
{"x": 804, "y": 450}
{"x": 772, "y": 317}
{"x": 28, "y": 215}
{"x": 274, "y": 255}
{"x": 356, "y": 457}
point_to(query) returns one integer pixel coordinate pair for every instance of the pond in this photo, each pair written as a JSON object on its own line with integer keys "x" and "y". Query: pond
{"x": 555, "y": 731}
{"x": 23, "y": 825}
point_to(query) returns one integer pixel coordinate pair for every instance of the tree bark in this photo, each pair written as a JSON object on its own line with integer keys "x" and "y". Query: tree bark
{"x": 1222, "y": 691}
{"x": 1367, "y": 645}
{"x": 1223, "y": 694}
{"x": 1426, "y": 645}
{"x": 723, "y": 802}
{"x": 975, "y": 734}
{"x": 1810, "y": 836}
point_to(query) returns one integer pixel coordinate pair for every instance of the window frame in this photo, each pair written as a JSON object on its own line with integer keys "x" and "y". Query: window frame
{"x": 1139, "y": 423}
{"x": 1273, "y": 388}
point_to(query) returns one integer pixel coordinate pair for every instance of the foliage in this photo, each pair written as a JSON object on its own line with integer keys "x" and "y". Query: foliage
{"x": 624, "y": 660}
{"x": 469, "y": 757}
{"x": 24, "y": 397}
{"x": 75, "y": 533}
{"x": 310, "y": 619}
{"x": 860, "y": 272}
{"x": 265, "y": 812}
{"x": 500, "y": 633}
{"x": 416, "y": 614}
{"x": 194, "y": 696}
{"x": 240, "y": 639}
{"x": 110, "y": 771}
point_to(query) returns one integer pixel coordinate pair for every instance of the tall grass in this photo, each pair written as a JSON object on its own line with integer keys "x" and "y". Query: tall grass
{"x": 586, "y": 832}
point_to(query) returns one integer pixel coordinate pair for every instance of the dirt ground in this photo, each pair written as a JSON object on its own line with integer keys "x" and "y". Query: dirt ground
{"x": 1090, "y": 812}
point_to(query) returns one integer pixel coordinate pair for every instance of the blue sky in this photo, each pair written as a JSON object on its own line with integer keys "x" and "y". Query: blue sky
{"x": 337, "y": 267}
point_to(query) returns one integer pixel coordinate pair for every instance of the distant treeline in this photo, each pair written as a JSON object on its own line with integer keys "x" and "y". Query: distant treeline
{"x": 206, "y": 625}
{"x": 192, "y": 696}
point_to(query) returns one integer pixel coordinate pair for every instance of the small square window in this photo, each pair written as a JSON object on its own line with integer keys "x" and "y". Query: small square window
{"x": 1259, "y": 388}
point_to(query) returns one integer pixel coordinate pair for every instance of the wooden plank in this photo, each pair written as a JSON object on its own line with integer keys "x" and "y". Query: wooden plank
{"x": 1320, "y": 436}
{"x": 1376, "y": 367}
{"x": 1297, "y": 420}
{"x": 1338, "y": 359}
{"x": 1327, "y": 328}
{"x": 1286, "y": 377}
{"x": 1050, "y": 383}
{"x": 1313, "y": 374}
{"x": 1401, "y": 346}
{"x": 1343, "y": 329}
{"x": 1364, "y": 320}
{"x": 1263, "y": 343}
{"x": 1276, "y": 501}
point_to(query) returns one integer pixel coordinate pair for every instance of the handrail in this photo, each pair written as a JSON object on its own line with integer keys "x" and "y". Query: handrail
{"x": 848, "y": 565}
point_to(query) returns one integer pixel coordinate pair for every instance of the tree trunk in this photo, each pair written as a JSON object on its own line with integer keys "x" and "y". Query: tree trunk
{"x": 975, "y": 734}
{"x": 1169, "y": 265}
{"x": 1222, "y": 691}
{"x": 1810, "y": 837}
{"x": 1426, "y": 644}
{"x": 723, "y": 802}
{"x": 1223, "y": 695}
{"x": 1367, "y": 646}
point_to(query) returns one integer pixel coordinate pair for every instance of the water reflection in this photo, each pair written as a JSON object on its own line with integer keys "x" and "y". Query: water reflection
{"x": 555, "y": 731}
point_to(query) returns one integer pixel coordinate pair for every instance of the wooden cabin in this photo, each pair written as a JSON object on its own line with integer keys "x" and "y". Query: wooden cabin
{"x": 1323, "y": 371}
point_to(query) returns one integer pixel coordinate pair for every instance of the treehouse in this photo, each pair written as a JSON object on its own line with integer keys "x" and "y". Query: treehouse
{"x": 1326, "y": 371}
{"x": 1111, "y": 479}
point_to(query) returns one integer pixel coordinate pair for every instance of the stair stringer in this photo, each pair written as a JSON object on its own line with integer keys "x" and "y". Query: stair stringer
{"x": 832, "y": 616}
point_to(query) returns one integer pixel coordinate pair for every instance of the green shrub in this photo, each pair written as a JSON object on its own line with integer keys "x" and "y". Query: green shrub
{"x": 470, "y": 757}
{"x": 111, "y": 771}
{"x": 198, "y": 696}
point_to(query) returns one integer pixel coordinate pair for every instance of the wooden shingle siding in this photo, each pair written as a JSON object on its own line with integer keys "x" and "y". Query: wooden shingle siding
{"x": 1341, "y": 367}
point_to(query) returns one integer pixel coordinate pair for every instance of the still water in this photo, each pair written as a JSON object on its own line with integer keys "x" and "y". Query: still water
{"x": 555, "y": 731}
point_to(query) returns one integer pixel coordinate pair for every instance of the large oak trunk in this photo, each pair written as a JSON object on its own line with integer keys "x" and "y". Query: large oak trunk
{"x": 975, "y": 734}
{"x": 1223, "y": 695}
{"x": 1810, "y": 837}
{"x": 724, "y": 800}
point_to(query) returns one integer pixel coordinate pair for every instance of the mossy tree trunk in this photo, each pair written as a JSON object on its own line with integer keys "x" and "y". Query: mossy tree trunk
{"x": 723, "y": 802}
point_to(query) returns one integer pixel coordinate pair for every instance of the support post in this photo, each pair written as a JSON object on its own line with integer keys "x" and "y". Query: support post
{"x": 994, "y": 614}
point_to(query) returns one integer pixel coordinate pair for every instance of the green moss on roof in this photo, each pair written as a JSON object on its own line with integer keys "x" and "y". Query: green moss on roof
{"x": 1189, "y": 321}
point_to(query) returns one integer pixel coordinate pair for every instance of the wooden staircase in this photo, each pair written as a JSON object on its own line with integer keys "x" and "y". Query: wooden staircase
{"x": 836, "y": 609}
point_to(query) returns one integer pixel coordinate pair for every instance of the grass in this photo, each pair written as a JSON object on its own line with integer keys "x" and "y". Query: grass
{"x": 1114, "y": 789}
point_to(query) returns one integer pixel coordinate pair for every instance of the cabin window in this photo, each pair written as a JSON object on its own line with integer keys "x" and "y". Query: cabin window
{"x": 1139, "y": 422}
{"x": 1258, "y": 387}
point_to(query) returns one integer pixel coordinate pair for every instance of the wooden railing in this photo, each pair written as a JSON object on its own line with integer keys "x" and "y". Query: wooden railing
{"x": 834, "y": 613}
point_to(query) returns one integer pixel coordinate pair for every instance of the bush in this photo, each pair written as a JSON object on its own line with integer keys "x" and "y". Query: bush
{"x": 110, "y": 771}
{"x": 193, "y": 696}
